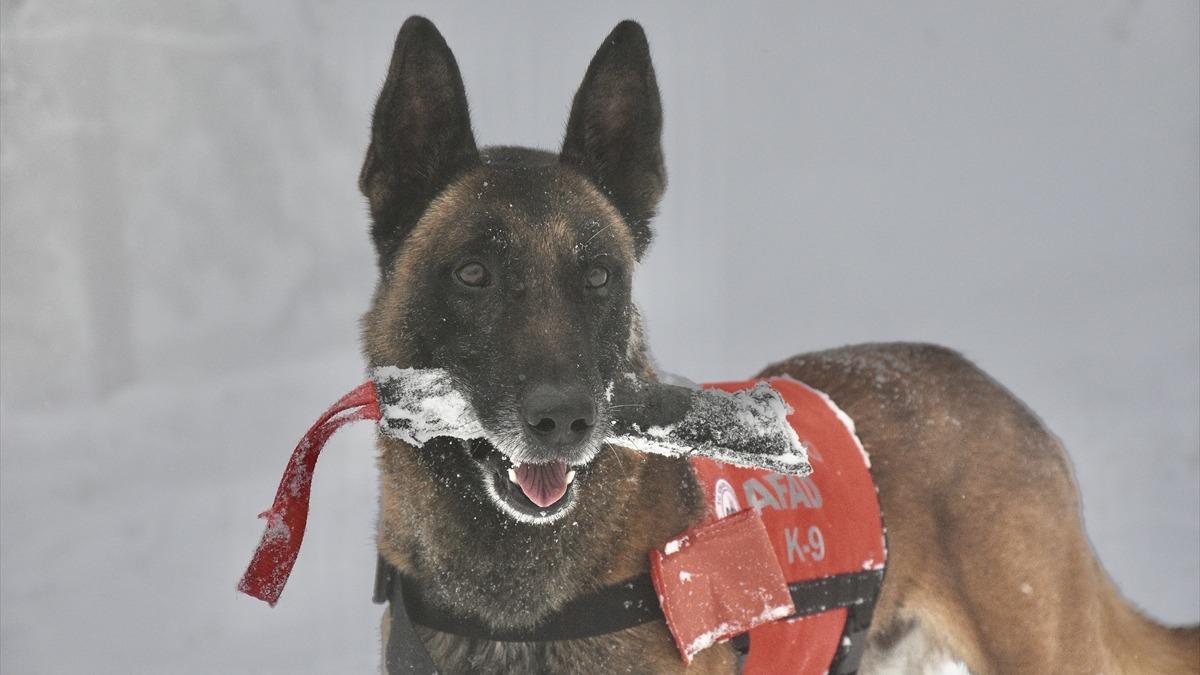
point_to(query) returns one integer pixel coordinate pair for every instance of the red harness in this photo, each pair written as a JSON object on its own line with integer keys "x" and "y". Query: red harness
{"x": 793, "y": 562}
{"x": 826, "y": 527}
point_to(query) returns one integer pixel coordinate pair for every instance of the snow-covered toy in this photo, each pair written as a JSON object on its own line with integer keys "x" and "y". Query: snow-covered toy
{"x": 788, "y": 562}
{"x": 744, "y": 428}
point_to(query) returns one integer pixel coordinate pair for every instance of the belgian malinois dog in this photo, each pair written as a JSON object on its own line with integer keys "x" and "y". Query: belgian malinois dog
{"x": 511, "y": 268}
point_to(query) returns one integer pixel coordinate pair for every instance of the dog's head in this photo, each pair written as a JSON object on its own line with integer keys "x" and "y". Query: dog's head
{"x": 511, "y": 268}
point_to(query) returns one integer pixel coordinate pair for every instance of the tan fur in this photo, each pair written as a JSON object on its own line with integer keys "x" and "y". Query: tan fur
{"x": 987, "y": 552}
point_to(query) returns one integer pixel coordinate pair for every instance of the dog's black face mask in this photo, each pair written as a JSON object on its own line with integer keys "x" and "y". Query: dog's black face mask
{"x": 530, "y": 310}
{"x": 525, "y": 298}
{"x": 511, "y": 268}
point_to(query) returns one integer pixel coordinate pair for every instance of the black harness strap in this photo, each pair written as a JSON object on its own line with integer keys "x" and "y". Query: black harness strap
{"x": 625, "y": 605}
{"x": 404, "y": 652}
{"x": 853, "y": 641}
{"x": 843, "y": 590}
{"x": 608, "y": 610}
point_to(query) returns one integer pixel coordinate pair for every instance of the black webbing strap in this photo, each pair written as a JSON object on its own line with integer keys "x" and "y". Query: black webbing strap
{"x": 625, "y": 605}
{"x": 843, "y": 590}
{"x": 403, "y": 653}
{"x": 853, "y": 642}
{"x": 857, "y": 593}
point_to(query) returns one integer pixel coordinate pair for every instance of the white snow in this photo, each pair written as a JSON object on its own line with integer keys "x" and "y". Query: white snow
{"x": 672, "y": 547}
{"x": 707, "y": 639}
{"x": 745, "y": 428}
{"x": 276, "y": 529}
{"x": 721, "y": 631}
{"x": 185, "y": 259}
{"x": 661, "y": 432}
{"x": 420, "y": 404}
{"x": 130, "y": 520}
{"x": 423, "y": 404}
{"x": 948, "y": 667}
{"x": 842, "y": 417}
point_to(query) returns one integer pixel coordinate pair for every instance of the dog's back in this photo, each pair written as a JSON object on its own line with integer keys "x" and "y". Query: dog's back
{"x": 988, "y": 560}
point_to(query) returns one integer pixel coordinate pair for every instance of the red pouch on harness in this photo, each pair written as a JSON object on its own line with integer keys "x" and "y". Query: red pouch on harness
{"x": 718, "y": 580}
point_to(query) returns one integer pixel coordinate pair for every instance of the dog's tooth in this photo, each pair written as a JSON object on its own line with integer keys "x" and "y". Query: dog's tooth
{"x": 570, "y": 476}
{"x": 512, "y": 475}
{"x": 516, "y": 464}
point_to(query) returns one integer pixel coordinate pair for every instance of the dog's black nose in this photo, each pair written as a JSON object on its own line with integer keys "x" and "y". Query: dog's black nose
{"x": 558, "y": 415}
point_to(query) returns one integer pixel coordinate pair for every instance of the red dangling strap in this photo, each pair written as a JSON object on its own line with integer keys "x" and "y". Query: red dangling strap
{"x": 280, "y": 544}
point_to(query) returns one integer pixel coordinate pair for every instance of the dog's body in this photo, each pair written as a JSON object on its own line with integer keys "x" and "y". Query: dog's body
{"x": 511, "y": 269}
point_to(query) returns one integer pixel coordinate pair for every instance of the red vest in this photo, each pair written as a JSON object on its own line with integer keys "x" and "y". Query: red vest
{"x": 825, "y": 524}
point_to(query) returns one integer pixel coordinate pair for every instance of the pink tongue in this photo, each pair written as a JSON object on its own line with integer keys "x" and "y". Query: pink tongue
{"x": 543, "y": 484}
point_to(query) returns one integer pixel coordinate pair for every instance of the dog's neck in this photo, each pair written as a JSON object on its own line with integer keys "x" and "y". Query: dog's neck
{"x": 465, "y": 555}
{"x": 437, "y": 528}
{"x": 468, "y": 557}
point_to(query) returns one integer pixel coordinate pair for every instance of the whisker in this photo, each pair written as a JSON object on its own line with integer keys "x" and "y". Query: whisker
{"x": 597, "y": 234}
{"x": 616, "y": 454}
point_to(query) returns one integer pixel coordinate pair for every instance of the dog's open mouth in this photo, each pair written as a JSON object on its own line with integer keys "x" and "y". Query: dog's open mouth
{"x": 530, "y": 493}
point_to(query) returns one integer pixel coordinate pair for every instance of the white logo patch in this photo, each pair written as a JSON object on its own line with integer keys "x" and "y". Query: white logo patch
{"x": 726, "y": 501}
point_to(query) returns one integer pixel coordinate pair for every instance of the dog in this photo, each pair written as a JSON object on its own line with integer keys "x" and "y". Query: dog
{"x": 511, "y": 268}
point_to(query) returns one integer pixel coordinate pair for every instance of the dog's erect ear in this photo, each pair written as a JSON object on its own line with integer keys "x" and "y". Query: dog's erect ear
{"x": 420, "y": 134}
{"x": 614, "y": 135}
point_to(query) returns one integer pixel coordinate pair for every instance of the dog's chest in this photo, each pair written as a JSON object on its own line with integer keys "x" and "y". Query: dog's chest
{"x": 646, "y": 649}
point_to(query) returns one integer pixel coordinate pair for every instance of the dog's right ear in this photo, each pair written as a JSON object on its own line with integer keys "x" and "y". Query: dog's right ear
{"x": 420, "y": 134}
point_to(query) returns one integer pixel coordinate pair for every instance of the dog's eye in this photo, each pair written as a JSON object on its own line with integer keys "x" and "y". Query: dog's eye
{"x": 596, "y": 277}
{"x": 472, "y": 274}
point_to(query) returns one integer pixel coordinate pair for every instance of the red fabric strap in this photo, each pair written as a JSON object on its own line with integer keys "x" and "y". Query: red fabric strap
{"x": 288, "y": 515}
{"x": 719, "y": 579}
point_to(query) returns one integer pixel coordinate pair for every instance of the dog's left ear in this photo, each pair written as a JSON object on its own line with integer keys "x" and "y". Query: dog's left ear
{"x": 614, "y": 134}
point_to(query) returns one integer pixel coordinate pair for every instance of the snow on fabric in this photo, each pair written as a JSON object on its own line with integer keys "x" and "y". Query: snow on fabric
{"x": 418, "y": 404}
{"x": 745, "y": 428}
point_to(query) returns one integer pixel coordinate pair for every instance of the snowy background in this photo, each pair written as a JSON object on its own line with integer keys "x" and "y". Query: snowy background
{"x": 185, "y": 258}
